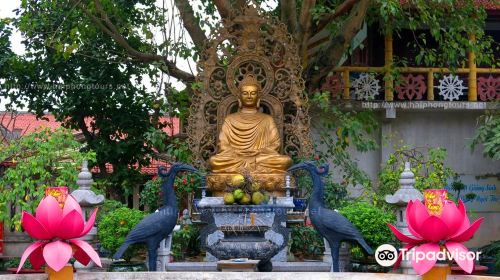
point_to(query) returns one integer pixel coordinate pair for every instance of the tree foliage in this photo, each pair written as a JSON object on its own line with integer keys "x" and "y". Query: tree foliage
{"x": 428, "y": 165}
{"x": 76, "y": 72}
{"x": 86, "y": 61}
{"x": 40, "y": 160}
{"x": 488, "y": 134}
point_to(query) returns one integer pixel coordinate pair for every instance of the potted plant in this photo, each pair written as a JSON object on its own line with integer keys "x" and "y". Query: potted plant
{"x": 371, "y": 221}
{"x": 438, "y": 226}
{"x": 112, "y": 231}
{"x": 57, "y": 224}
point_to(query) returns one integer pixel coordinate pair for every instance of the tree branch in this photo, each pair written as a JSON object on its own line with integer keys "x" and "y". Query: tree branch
{"x": 289, "y": 14}
{"x": 224, "y": 8}
{"x": 191, "y": 22}
{"x": 106, "y": 26}
{"x": 326, "y": 60}
{"x": 340, "y": 10}
{"x": 239, "y": 4}
{"x": 304, "y": 30}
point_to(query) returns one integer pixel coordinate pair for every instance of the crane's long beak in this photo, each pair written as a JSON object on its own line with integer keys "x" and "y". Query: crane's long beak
{"x": 188, "y": 167}
{"x": 297, "y": 166}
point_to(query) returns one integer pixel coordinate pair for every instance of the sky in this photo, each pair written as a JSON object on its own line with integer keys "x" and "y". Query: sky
{"x": 6, "y": 10}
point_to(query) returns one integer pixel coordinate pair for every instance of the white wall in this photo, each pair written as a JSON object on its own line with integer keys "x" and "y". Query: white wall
{"x": 439, "y": 128}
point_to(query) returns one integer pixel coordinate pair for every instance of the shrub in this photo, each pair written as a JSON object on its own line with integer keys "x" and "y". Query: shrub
{"x": 306, "y": 241}
{"x": 114, "y": 228}
{"x": 151, "y": 194}
{"x": 185, "y": 242}
{"x": 107, "y": 207}
{"x": 371, "y": 222}
{"x": 427, "y": 165}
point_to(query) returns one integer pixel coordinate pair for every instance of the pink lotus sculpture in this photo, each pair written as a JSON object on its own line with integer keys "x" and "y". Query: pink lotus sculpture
{"x": 58, "y": 229}
{"x": 432, "y": 232}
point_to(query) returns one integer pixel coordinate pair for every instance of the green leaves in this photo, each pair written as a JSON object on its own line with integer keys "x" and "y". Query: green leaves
{"x": 151, "y": 194}
{"x": 114, "y": 228}
{"x": 82, "y": 76}
{"x": 488, "y": 134}
{"x": 371, "y": 221}
{"x": 42, "y": 159}
{"x": 185, "y": 242}
{"x": 427, "y": 165}
{"x": 306, "y": 241}
{"x": 441, "y": 29}
{"x": 339, "y": 130}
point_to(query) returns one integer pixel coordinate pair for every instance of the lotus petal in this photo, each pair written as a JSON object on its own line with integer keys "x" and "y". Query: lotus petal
{"x": 403, "y": 237}
{"x": 458, "y": 253}
{"x": 434, "y": 229}
{"x": 87, "y": 250}
{"x": 407, "y": 247}
{"x": 468, "y": 233}
{"x": 57, "y": 254}
{"x": 410, "y": 226}
{"x": 34, "y": 228}
{"x": 71, "y": 226}
{"x": 452, "y": 217}
{"x": 36, "y": 258}
{"x": 409, "y": 208}
{"x": 424, "y": 265}
{"x": 418, "y": 214}
{"x": 71, "y": 204}
{"x": 90, "y": 223}
{"x": 33, "y": 247}
{"x": 49, "y": 214}
{"x": 466, "y": 222}
{"x": 81, "y": 256}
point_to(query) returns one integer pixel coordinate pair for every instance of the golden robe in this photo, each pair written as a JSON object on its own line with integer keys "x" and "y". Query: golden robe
{"x": 249, "y": 141}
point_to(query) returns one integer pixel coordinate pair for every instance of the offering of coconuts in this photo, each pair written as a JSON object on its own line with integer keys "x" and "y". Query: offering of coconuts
{"x": 244, "y": 191}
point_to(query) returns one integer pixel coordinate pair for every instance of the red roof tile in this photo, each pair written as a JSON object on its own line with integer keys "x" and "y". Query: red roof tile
{"x": 27, "y": 123}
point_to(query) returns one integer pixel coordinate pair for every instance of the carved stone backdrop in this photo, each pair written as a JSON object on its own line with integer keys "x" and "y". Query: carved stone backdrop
{"x": 249, "y": 42}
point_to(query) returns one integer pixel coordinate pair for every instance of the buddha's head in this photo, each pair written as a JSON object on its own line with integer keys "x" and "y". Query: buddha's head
{"x": 249, "y": 92}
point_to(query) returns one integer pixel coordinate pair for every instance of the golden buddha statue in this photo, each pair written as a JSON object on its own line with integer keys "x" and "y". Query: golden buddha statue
{"x": 249, "y": 140}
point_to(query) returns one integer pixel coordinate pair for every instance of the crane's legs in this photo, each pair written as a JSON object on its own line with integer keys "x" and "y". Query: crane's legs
{"x": 335, "y": 249}
{"x": 152, "y": 256}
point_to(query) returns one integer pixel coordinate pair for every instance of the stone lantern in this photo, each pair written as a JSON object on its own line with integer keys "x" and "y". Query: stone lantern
{"x": 88, "y": 200}
{"x": 400, "y": 198}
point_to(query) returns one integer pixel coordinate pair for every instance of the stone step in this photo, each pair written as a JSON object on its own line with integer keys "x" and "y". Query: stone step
{"x": 277, "y": 266}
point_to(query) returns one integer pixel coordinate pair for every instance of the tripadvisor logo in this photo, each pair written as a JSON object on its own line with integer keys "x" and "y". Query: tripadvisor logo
{"x": 387, "y": 255}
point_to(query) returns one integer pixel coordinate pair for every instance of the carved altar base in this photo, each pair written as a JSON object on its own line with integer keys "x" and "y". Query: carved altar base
{"x": 257, "y": 232}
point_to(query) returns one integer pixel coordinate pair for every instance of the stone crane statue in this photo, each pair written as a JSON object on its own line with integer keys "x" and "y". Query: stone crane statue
{"x": 158, "y": 225}
{"x": 330, "y": 224}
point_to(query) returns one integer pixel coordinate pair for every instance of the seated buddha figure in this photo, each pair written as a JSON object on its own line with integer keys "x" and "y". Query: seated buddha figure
{"x": 249, "y": 140}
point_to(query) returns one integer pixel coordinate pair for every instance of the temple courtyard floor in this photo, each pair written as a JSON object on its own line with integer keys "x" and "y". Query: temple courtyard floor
{"x": 238, "y": 276}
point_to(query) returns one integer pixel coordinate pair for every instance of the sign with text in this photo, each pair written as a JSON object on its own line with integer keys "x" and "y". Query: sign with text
{"x": 486, "y": 189}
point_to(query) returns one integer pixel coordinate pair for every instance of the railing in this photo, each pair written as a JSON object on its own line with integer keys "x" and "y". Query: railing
{"x": 416, "y": 83}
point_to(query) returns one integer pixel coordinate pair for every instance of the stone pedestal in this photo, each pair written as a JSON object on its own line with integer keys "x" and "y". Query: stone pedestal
{"x": 165, "y": 251}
